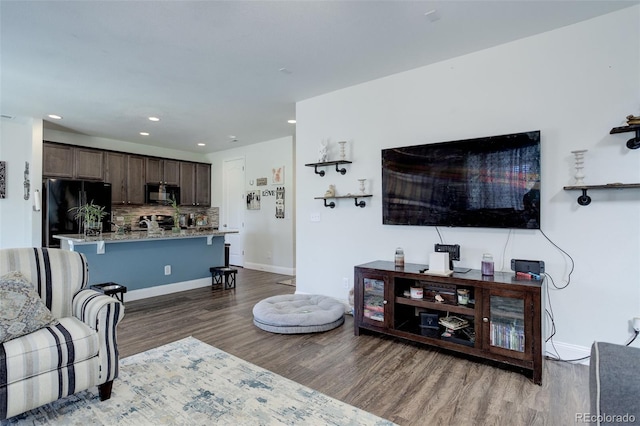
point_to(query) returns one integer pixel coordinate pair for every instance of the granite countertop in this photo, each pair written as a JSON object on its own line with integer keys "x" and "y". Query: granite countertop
{"x": 142, "y": 235}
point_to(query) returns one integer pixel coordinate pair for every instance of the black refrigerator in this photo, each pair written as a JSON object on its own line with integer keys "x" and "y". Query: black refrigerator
{"x": 60, "y": 195}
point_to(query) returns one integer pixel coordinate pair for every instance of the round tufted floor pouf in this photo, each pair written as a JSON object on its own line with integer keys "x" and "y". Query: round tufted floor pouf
{"x": 298, "y": 313}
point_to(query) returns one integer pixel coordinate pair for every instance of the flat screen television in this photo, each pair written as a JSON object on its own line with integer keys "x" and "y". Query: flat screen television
{"x": 489, "y": 182}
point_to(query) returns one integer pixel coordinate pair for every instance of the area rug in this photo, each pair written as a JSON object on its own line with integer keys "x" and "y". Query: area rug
{"x": 291, "y": 282}
{"x": 191, "y": 383}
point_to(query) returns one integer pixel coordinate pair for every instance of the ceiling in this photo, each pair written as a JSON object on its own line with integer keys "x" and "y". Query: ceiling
{"x": 214, "y": 71}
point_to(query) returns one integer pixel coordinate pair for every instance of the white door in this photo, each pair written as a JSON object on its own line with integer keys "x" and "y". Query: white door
{"x": 233, "y": 203}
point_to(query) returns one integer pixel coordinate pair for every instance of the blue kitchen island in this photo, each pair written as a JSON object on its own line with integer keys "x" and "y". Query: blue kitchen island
{"x": 150, "y": 265}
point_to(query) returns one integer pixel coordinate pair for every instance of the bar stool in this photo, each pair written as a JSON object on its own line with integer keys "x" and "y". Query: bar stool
{"x": 224, "y": 275}
{"x": 111, "y": 289}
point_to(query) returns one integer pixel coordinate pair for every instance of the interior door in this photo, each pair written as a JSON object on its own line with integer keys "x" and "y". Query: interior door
{"x": 233, "y": 203}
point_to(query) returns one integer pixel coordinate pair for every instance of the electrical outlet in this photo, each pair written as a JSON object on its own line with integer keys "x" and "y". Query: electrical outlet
{"x": 636, "y": 324}
{"x": 345, "y": 282}
{"x": 167, "y": 269}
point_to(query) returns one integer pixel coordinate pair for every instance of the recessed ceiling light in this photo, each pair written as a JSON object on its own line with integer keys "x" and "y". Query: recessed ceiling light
{"x": 55, "y": 117}
{"x": 202, "y": 144}
{"x": 144, "y": 133}
{"x": 154, "y": 119}
{"x": 291, "y": 121}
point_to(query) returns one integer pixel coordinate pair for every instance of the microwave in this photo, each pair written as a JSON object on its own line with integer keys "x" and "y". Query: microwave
{"x": 161, "y": 194}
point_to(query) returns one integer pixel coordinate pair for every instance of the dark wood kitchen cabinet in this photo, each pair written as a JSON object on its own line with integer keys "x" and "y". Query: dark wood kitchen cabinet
{"x": 203, "y": 184}
{"x": 126, "y": 173}
{"x": 72, "y": 162}
{"x": 187, "y": 184}
{"x": 195, "y": 184}
{"x": 500, "y": 318}
{"x": 162, "y": 170}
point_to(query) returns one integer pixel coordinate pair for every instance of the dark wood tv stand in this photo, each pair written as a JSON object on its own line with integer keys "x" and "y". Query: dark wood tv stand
{"x": 504, "y": 314}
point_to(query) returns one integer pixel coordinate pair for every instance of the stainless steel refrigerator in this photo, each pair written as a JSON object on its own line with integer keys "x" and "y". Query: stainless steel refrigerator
{"x": 60, "y": 195}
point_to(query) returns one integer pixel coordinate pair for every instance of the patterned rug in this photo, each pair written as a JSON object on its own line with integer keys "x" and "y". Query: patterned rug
{"x": 291, "y": 282}
{"x": 191, "y": 383}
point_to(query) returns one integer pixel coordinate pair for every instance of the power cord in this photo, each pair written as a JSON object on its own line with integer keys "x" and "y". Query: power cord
{"x": 573, "y": 263}
{"x": 635, "y": 334}
{"x": 439, "y": 235}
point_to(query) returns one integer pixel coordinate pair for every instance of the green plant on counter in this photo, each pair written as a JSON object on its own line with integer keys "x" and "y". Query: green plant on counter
{"x": 91, "y": 216}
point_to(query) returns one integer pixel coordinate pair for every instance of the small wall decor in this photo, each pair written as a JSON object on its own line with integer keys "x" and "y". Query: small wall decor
{"x": 579, "y": 160}
{"x": 277, "y": 177}
{"x": 253, "y": 200}
{"x": 343, "y": 153}
{"x": 27, "y": 183}
{"x": 3, "y": 182}
{"x": 280, "y": 202}
{"x": 323, "y": 151}
{"x": 261, "y": 181}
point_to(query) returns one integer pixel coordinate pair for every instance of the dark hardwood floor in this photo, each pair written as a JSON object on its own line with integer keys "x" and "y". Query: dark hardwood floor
{"x": 403, "y": 382}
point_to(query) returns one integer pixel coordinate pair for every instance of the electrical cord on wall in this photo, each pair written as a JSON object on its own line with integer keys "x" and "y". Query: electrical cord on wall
{"x": 504, "y": 250}
{"x": 439, "y": 235}
{"x": 573, "y": 263}
{"x": 549, "y": 312}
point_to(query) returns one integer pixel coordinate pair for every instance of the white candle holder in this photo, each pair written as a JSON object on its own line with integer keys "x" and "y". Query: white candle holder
{"x": 343, "y": 155}
{"x": 579, "y": 161}
{"x": 362, "y": 181}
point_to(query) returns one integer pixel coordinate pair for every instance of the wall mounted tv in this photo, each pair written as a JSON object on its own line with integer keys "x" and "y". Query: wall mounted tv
{"x": 489, "y": 182}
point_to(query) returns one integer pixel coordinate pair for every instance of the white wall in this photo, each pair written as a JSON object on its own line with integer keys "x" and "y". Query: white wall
{"x": 268, "y": 241}
{"x": 574, "y": 84}
{"x": 20, "y": 142}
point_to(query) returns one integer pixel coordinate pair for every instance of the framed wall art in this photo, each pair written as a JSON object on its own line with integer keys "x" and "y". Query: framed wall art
{"x": 3, "y": 179}
{"x": 253, "y": 200}
{"x": 277, "y": 177}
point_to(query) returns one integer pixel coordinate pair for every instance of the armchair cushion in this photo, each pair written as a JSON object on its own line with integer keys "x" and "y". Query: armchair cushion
{"x": 49, "y": 349}
{"x": 21, "y": 309}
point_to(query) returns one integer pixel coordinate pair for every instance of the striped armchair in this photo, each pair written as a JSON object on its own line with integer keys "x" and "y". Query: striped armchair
{"x": 59, "y": 360}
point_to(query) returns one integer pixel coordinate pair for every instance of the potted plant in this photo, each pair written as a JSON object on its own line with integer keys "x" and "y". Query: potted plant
{"x": 90, "y": 215}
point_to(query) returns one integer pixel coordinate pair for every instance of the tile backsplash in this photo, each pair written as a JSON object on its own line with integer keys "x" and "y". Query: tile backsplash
{"x": 132, "y": 213}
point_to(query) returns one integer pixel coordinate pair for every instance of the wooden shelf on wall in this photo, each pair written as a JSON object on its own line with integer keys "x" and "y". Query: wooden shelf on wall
{"x": 633, "y": 143}
{"x": 585, "y": 200}
{"x": 315, "y": 166}
{"x": 354, "y": 197}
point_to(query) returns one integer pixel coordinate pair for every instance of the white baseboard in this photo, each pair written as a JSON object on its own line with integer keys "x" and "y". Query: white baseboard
{"x": 567, "y": 352}
{"x": 270, "y": 268}
{"x": 161, "y": 290}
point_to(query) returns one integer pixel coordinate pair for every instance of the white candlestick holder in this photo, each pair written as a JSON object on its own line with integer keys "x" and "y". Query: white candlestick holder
{"x": 343, "y": 155}
{"x": 362, "y": 181}
{"x": 579, "y": 165}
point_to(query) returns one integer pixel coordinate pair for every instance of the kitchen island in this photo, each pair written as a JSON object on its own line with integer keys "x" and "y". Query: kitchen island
{"x": 151, "y": 264}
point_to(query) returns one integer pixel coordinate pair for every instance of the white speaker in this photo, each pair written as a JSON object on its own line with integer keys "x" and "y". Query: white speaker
{"x": 439, "y": 262}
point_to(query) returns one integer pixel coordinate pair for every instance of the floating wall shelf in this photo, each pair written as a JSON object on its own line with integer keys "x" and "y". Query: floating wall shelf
{"x": 585, "y": 200}
{"x": 332, "y": 204}
{"x": 329, "y": 163}
{"x": 633, "y": 143}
